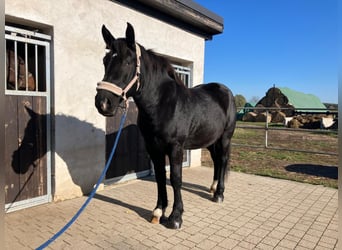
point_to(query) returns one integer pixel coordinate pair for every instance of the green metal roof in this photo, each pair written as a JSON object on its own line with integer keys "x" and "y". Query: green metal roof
{"x": 301, "y": 100}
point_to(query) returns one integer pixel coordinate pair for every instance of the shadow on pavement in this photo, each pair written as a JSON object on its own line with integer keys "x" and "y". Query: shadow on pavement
{"x": 316, "y": 170}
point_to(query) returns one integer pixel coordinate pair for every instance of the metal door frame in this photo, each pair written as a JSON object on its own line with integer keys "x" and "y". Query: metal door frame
{"x": 37, "y": 39}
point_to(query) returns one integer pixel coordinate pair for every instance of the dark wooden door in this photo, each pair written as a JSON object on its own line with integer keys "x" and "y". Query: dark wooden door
{"x": 25, "y": 151}
{"x": 131, "y": 155}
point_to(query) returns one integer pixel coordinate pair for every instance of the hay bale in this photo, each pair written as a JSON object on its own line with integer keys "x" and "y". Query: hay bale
{"x": 260, "y": 109}
{"x": 274, "y": 98}
{"x": 261, "y": 117}
{"x": 278, "y": 117}
{"x": 273, "y": 95}
{"x": 249, "y": 117}
{"x": 294, "y": 123}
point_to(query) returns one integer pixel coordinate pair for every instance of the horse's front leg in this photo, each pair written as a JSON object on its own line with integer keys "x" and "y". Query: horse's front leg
{"x": 176, "y": 160}
{"x": 158, "y": 214}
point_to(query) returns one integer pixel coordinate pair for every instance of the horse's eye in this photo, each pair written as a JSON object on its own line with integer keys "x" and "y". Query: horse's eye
{"x": 114, "y": 55}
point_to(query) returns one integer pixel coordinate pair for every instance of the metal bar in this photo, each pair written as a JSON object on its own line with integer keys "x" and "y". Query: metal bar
{"x": 27, "y": 32}
{"x": 274, "y": 108}
{"x": 48, "y": 120}
{"x": 11, "y": 207}
{"x": 26, "y": 68}
{"x": 286, "y": 149}
{"x": 25, "y": 93}
{"x": 266, "y": 130}
{"x": 250, "y": 127}
{"x": 15, "y": 65}
{"x": 6, "y": 67}
{"x": 25, "y": 40}
{"x": 181, "y": 68}
{"x": 319, "y": 131}
{"x": 36, "y": 66}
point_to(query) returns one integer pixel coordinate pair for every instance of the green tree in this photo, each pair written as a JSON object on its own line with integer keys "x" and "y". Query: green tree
{"x": 240, "y": 101}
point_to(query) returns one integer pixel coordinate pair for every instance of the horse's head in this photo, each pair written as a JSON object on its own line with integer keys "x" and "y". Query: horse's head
{"x": 122, "y": 69}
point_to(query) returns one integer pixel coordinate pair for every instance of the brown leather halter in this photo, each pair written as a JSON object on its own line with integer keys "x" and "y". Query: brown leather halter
{"x": 115, "y": 89}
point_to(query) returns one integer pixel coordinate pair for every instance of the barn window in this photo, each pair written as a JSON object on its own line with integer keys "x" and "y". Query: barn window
{"x": 184, "y": 73}
{"x": 27, "y": 60}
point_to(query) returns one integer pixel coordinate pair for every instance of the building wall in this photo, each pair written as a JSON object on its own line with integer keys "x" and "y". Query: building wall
{"x": 78, "y": 49}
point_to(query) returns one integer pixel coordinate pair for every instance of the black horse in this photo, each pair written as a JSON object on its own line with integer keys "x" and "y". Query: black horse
{"x": 171, "y": 116}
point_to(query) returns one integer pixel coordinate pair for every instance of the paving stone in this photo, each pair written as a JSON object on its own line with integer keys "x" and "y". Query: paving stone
{"x": 206, "y": 244}
{"x": 271, "y": 241}
{"x": 228, "y": 243}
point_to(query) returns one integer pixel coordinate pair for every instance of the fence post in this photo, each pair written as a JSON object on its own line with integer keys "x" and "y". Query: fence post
{"x": 266, "y": 130}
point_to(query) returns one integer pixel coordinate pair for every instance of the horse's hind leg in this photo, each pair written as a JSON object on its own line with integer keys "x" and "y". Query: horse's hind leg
{"x": 220, "y": 153}
{"x": 212, "y": 149}
{"x": 176, "y": 159}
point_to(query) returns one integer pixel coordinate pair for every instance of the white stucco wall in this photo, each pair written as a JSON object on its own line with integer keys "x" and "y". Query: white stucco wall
{"x": 78, "y": 50}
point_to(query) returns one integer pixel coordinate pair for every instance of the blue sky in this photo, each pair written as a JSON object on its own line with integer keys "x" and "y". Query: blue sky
{"x": 289, "y": 43}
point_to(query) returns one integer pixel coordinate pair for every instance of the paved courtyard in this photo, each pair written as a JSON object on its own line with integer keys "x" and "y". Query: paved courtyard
{"x": 258, "y": 213}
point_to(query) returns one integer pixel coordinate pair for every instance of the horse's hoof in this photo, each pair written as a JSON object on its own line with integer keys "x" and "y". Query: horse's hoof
{"x": 155, "y": 220}
{"x": 218, "y": 199}
{"x": 174, "y": 224}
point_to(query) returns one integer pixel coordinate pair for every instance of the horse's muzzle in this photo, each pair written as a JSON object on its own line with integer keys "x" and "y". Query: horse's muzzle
{"x": 106, "y": 105}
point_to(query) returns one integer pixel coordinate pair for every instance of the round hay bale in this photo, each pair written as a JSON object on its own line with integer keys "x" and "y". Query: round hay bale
{"x": 300, "y": 118}
{"x": 278, "y": 117}
{"x": 262, "y": 117}
{"x": 294, "y": 123}
{"x": 260, "y": 109}
{"x": 249, "y": 117}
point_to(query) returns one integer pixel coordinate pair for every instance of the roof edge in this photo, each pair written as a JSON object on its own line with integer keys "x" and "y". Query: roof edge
{"x": 186, "y": 14}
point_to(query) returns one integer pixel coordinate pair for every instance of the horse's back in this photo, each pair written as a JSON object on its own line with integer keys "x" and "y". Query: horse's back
{"x": 218, "y": 93}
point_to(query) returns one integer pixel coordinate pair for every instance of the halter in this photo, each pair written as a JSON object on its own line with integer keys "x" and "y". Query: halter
{"x": 115, "y": 89}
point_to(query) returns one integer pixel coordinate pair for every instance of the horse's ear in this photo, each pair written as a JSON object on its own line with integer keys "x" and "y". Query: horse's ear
{"x": 130, "y": 37}
{"x": 30, "y": 112}
{"x": 107, "y": 37}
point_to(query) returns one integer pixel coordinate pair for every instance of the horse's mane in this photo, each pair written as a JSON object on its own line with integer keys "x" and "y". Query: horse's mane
{"x": 161, "y": 64}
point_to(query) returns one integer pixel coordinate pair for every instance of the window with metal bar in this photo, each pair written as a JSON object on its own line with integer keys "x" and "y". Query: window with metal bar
{"x": 26, "y": 53}
{"x": 184, "y": 73}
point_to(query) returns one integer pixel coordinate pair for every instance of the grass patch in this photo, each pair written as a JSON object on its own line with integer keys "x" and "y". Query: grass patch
{"x": 317, "y": 169}
{"x": 279, "y": 164}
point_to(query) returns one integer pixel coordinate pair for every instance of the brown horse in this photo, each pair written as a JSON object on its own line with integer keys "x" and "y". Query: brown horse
{"x": 23, "y": 83}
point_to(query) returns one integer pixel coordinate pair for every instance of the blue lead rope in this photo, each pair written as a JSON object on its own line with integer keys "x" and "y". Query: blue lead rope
{"x": 73, "y": 219}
